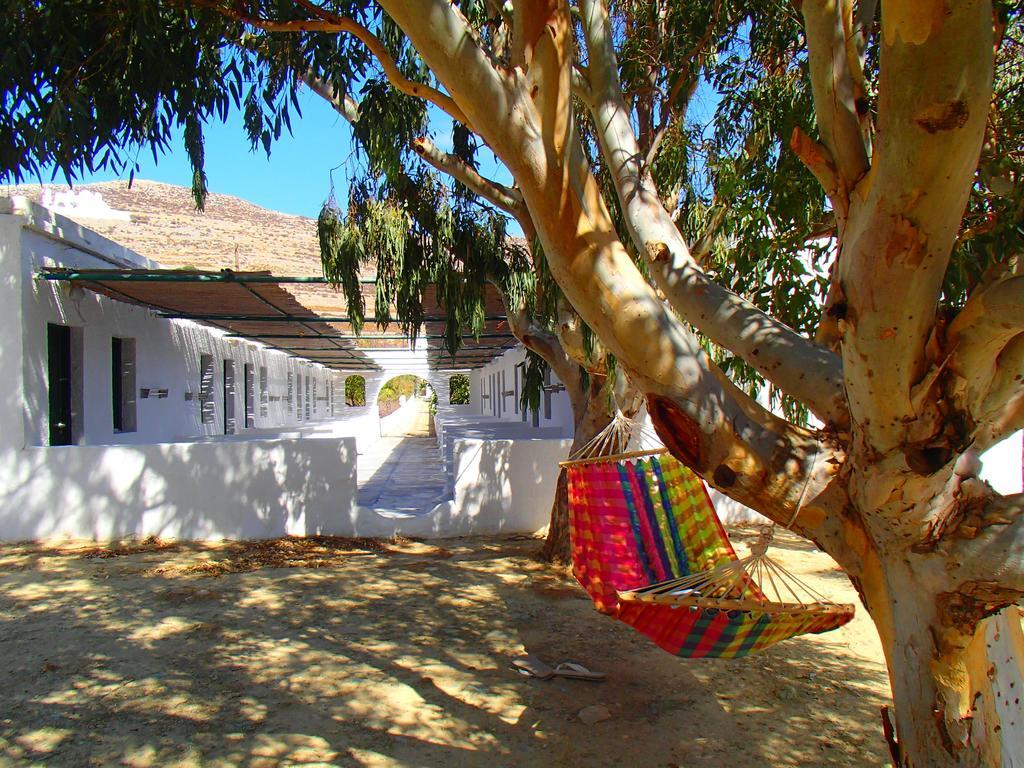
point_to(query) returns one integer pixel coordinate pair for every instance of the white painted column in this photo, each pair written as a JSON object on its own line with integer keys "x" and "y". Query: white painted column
{"x": 12, "y": 359}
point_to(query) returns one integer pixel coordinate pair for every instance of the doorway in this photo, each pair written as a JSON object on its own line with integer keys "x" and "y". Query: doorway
{"x": 229, "y": 397}
{"x": 59, "y": 371}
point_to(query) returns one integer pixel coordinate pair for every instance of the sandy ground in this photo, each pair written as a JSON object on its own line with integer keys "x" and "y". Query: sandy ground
{"x": 398, "y": 655}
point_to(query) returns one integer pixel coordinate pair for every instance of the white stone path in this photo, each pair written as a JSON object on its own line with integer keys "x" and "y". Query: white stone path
{"x": 401, "y": 474}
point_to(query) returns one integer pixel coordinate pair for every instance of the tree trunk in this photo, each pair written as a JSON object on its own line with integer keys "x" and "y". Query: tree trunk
{"x": 558, "y": 546}
{"x": 956, "y": 682}
{"x": 597, "y": 414}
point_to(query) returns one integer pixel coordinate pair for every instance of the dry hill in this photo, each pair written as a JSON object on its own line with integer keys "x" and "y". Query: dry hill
{"x": 231, "y": 233}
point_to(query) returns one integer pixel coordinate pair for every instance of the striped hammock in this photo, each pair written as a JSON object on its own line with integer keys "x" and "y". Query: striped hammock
{"x": 651, "y": 552}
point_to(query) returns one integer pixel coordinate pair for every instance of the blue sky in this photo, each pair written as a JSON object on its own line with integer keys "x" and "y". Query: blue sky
{"x": 297, "y": 176}
{"x": 294, "y": 179}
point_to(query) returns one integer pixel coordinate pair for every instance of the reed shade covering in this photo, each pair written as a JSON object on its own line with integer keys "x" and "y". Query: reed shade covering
{"x": 267, "y": 308}
{"x": 650, "y": 551}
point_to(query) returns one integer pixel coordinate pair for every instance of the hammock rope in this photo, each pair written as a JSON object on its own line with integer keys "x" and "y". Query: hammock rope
{"x": 651, "y": 552}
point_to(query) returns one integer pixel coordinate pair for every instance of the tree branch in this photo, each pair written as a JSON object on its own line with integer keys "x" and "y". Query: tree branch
{"x": 331, "y": 22}
{"x": 581, "y": 85}
{"x": 834, "y": 78}
{"x": 343, "y": 104}
{"x": 507, "y": 199}
{"x": 688, "y": 77}
{"x": 934, "y": 94}
{"x": 819, "y": 162}
{"x": 1001, "y": 411}
{"x": 550, "y": 348}
{"x": 445, "y": 41}
{"x": 570, "y": 334}
{"x": 985, "y": 546}
{"x": 986, "y": 324}
{"x": 985, "y": 340}
{"x": 796, "y": 365}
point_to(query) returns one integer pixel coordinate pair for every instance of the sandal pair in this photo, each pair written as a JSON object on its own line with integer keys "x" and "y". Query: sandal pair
{"x": 531, "y": 666}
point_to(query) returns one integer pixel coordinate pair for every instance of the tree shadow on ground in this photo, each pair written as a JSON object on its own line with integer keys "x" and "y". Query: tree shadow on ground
{"x": 385, "y": 658}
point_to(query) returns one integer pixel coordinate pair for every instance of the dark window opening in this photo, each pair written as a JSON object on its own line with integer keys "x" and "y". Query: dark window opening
{"x": 264, "y": 392}
{"x": 207, "y": 407}
{"x": 229, "y": 397}
{"x": 520, "y": 386}
{"x": 58, "y": 353}
{"x": 547, "y": 393}
{"x": 122, "y": 380}
{"x": 249, "y": 394}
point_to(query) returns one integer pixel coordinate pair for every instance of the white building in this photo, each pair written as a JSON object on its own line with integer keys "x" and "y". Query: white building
{"x": 120, "y": 419}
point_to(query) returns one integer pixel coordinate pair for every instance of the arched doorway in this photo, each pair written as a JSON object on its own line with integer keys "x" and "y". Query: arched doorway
{"x": 406, "y": 406}
{"x": 355, "y": 391}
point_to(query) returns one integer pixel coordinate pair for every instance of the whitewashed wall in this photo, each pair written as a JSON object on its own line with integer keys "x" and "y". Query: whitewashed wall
{"x": 173, "y": 476}
{"x": 500, "y": 486}
{"x": 167, "y": 351}
{"x": 495, "y": 389}
{"x": 204, "y": 490}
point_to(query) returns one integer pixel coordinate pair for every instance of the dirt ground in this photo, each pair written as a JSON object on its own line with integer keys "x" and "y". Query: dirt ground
{"x": 363, "y": 653}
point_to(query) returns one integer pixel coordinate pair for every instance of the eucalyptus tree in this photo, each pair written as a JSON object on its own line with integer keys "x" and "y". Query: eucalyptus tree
{"x": 891, "y": 135}
{"x": 419, "y": 232}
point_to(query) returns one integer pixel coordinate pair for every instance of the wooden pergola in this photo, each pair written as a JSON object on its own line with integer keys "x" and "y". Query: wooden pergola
{"x": 255, "y": 306}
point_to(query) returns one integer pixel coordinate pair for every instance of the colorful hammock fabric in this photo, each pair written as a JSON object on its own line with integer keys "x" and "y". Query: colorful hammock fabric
{"x": 639, "y": 521}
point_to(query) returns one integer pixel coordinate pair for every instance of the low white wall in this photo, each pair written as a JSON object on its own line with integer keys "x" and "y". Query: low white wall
{"x": 501, "y": 486}
{"x": 493, "y": 431}
{"x": 198, "y": 490}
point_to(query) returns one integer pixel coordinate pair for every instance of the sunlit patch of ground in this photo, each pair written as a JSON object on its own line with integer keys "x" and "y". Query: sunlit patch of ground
{"x": 363, "y": 653}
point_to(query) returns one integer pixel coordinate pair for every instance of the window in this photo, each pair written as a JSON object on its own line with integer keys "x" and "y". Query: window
{"x": 547, "y": 393}
{"x": 229, "y": 397}
{"x": 515, "y": 394}
{"x": 520, "y": 370}
{"x": 64, "y": 383}
{"x": 264, "y": 392}
{"x": 458, "y": 389}
{"x": 122, "y": 384}
{"x": 249, "y": 394}
{"x": 207, "y": 407}
{"x": 355, "y": 391}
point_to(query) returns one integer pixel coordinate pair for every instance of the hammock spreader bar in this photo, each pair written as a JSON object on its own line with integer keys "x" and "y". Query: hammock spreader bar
{"x": 651, "y": 552}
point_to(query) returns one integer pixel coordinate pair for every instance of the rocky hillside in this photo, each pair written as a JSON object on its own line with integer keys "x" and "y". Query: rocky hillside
{"x": 163, "y": 225}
